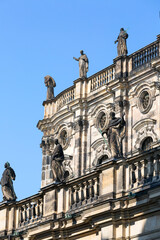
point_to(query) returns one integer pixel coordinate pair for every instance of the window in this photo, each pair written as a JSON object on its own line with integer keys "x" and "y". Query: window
{"x": 147, "y": 144}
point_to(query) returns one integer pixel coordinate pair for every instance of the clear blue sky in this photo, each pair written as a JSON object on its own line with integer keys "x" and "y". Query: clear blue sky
{"x": 40, "y": 37}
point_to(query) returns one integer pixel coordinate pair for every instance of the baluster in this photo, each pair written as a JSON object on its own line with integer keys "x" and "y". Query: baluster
{"x": 107, "y": 80}
{"x": 90, "y": 189}
{"x": 95, "y": 188}
{"x": 142, "y": 171}
{"x": 85, "y": 191}
{"x": 27, "y": 212}
{"x": 139, "y": 173}
{"x": 32, "y": 211}
{"x": 81, "y": 195}
{"x": 133, "y": 175}
{"x": 156, "y": 167}
{"x": 20, "y": 216}
{"x": 24, "y": 213}
{"x": 150, "y": 168}
{"x": 145, "y": 170}
{"x": 77, "y": 194}
{"x": 36, "y": 210}
{"x": 40, "y": 207}
{"x": 73, "y": 196}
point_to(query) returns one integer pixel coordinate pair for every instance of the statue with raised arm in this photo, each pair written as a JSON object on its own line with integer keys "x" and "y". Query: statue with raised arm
{"x": 115, "y": 132}
{"x": 7, "y": 183}
{"x": 83, "y": 64}
{"x": 50, "y": 84}
{"x": 122, "y": 46}
{"x": 56, "y": 162}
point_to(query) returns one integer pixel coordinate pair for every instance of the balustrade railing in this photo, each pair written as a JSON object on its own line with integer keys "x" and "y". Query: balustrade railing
{"x": 30, "y": 212}
{"x": 84, "y": 192}
{"x": 145, "y": 55}
{"x": 100, "y": 79}
{"x": 65, "y": 98}
{"x": 144, "y": 171}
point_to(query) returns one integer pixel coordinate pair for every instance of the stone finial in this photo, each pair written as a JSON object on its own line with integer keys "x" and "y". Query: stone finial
{"x": 50, "y": 84}
{"x": 122, "y": 46}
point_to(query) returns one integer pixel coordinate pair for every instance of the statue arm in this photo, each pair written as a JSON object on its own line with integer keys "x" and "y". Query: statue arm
{"x": 77, "y": 59}
{"x": 105, "y": 131}
{"x": 117, "y": 40}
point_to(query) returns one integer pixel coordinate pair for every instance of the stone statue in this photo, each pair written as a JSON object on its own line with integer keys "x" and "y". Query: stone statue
{"x": 83, "y": 64}
{"x": 122, "y": 46}
{"x": 56, "y": 162}
{"x": 50, "y": 84}
{"x": 115, "y": 132}
{"x": 7, "y": 184}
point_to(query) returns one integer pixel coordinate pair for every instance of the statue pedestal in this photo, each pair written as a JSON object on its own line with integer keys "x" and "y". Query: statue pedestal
{"x": 121, "y": 70}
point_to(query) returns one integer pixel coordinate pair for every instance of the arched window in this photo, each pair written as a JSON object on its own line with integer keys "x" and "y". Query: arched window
{"x": 64, "y": 138}
{"x": 147, "y": 144}
{"x": 102, "y": 159}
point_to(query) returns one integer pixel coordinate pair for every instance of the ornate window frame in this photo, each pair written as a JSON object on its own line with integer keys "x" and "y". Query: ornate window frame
{"x": 59, "y": 130}
{"x": 100, "y": 149}
{"x": 150, "y": 100}
{"x": 144, "y": 128}
{"x": 97, "y": 113}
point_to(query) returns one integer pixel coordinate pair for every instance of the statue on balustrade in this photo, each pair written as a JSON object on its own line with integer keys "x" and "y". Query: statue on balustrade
{"x": 50, "y": 84}
{"x": 122, "y": 46}
{"x": 56, "y": 162}
{"x": 83, "y": 64}
{"x": 115, "y": 132}
{"x": 7, "y": 183}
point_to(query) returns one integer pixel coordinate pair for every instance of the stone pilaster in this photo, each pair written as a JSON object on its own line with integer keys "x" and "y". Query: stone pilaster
{"x": 78, "y": 146}
{"x": 47, "y": 177}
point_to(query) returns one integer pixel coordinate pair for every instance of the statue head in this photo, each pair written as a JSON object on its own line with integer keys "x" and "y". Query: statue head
{"x": 56, "y": 141}
{"x": 48, "y": 80}
{"x": 122, "y": 29}
{"x": 6, "y": 165}
{"x": 112, "y": 115}
{"x": 81, "y": 52}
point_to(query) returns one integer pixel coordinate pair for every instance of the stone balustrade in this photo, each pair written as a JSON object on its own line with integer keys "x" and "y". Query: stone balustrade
{"x": 84, "y": 192}
{"x": 145, "y": 55}
{"x": 144, "y": 171}
{"x": 30, "y": 212}
{"x": 64, "y": 199}
{"x": 65, "y": 97}
{"x": 102, "y": 78}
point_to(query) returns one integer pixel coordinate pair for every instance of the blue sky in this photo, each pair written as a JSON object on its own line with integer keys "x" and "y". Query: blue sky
{"x": 40, "y": 37}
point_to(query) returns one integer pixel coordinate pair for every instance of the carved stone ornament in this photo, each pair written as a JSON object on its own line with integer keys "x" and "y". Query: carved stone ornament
{"x": 99, "y": 116}
{"x": 67, "y": 167}
{"x": 101, "y": 120}
{"x": 101, "y": 151}
{"x": 145, "y": 101}
{"x": 64, "y": 138}
{"x": 144, "y": 129}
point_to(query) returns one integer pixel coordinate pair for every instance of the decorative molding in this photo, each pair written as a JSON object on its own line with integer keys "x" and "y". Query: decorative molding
{"x": 144, "y": 128}
{"x": 101, "y": 149}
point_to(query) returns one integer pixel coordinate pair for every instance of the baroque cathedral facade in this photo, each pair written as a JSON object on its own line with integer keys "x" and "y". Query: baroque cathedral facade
{"x": 108, "y": 178}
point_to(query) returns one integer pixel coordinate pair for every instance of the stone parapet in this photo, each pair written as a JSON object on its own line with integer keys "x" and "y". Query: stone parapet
{"x": 116, "y": 187}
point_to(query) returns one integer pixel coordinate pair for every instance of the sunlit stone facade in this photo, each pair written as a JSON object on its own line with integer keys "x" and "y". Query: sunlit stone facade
{"x": 101, "y": 198}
